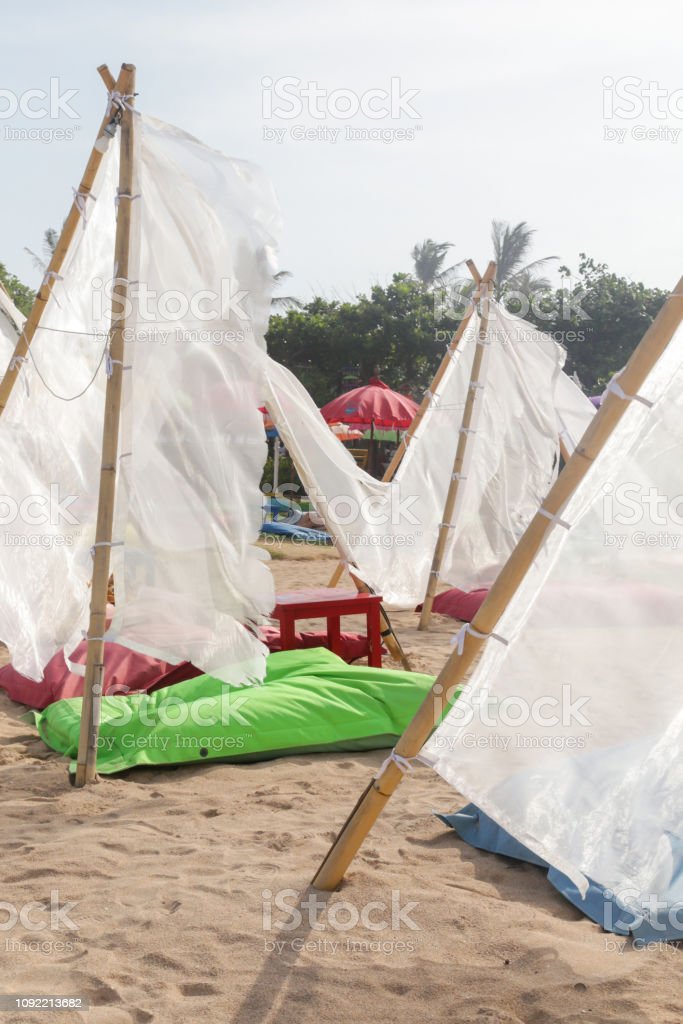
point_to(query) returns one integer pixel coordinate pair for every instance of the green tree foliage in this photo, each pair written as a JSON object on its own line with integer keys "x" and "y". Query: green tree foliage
{"x": 600, "y": 317}
{"x": 392, "y": 331}
{"x": 21, "y": 295}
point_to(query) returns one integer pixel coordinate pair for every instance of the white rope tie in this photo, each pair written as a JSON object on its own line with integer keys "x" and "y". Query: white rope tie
{"x": 15, "y": 365}
{"x": 50, "y": 275}
{"x": 81, "y": 201}
{"x": 446, "y": 526}
{"x": 404, "y": 763}
{"x": 616, "y": 389}
{"x": 475, "y": 385}
{"x": 109, "y": 365}
{"x": 467, "y": 430}
{"x": 125, "y": 195}
{"x": 105, "y": 544}
{"x": 459, "y": 639}
{"x": 458, "y": 476}
{"x": 554, "y": 519}
{"x": 120, "y": 100}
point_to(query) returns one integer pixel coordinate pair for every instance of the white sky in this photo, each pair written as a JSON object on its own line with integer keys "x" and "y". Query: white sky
{"x": 511, "y": 123}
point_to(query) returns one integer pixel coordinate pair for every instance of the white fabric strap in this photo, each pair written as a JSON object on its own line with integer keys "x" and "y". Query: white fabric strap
{"x": 51, "y": 275}
{"x": 467, "y": 430}
{"x": 81, "y": 201}
{"x": 616, "y": 389}
{"x": 105, "y": 544}
{"x": 554, "y": 519}
{"x": 15, "y": 364}
{"x": 476, "y": 385}
{"x": 458, "y": 476}
{"x": 109, "y": 365}
{"x": 459, "y": 638}
{"x": 125, "y": 195}
{"x": 404, "y": 763}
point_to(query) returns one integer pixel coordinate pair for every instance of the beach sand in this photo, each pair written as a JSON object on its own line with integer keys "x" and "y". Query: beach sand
{"x": 176, "y": 876}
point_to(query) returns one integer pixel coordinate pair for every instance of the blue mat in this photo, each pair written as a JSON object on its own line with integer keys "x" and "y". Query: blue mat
{"x": 302, "y": 533}
{"x": 480, "y": 831}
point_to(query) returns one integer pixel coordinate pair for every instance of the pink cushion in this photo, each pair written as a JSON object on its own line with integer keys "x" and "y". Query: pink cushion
{"x": 458, "y": 604}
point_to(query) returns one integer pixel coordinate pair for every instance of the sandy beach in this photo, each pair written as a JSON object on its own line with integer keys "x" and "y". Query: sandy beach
{"x": 168, "y": 887}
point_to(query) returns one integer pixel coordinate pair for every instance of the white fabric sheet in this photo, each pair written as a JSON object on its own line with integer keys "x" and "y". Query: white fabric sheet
{"x": 571, "y": 737}
{"x": 389, "y": 531}
{"x": 190, "y": 583}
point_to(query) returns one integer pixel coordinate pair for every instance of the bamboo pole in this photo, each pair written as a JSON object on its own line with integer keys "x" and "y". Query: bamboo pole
{"x": 402, "y": 448}
{"x": 71, "y": 225}
{"x": 446, "y": 524}
{"x": 380, "y": 789}
{"x": 94, "y": 672}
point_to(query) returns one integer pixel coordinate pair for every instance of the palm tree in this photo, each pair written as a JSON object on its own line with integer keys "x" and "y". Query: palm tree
{"x": 511, "y": 245}
{"x": 283, "y": 303}
{"x": 50, "y": 239}
{"x": 428, "y": 259}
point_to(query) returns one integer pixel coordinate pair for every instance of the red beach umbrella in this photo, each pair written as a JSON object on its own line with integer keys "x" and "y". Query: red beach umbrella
{"x": 374, "y": 405}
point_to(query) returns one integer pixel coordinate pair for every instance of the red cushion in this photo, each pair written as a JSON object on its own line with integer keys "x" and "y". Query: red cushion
{"x": 125, "y": 671}
{"x": 458, "y": 603}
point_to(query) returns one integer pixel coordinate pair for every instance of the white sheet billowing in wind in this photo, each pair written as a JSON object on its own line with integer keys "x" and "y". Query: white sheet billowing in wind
{"x": 389, "y": 531}
{"x": 51, "y": 451}
{"x": 571, "y": 737}
{"x": 574, "y": 411}
{"x": 189, "y": 582}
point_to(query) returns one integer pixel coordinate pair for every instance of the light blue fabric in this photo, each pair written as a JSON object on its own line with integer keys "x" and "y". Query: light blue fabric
{"x": 480, "y": 831}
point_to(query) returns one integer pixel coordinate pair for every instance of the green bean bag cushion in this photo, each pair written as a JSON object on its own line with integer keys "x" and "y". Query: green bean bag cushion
{"x": 310, "y": 701}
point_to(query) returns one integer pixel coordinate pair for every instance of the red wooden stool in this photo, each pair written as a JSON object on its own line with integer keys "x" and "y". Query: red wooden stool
{"x": 330, "y": 604}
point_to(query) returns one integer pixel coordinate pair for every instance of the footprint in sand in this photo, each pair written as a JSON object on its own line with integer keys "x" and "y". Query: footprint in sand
{"x": 198, "y": 988}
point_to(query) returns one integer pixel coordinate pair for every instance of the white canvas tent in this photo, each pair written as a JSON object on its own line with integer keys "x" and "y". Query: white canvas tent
{"x": 387, "y": 530}
{"x": 601, "y": 800}
{"x": 153, "y": 389}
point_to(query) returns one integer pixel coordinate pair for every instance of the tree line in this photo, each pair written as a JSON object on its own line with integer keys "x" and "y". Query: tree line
{"x": 398, "y": 330}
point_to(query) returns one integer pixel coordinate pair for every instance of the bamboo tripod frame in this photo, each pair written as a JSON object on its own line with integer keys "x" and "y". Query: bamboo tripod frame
{"x": 388, "y": 634}
{"x": 86, "y": 766}
{"x": 483, "y": 286}
{"x": 382, "y": 786}
{"x": 71, "y": 224}
{"x": 390, "y": 471}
